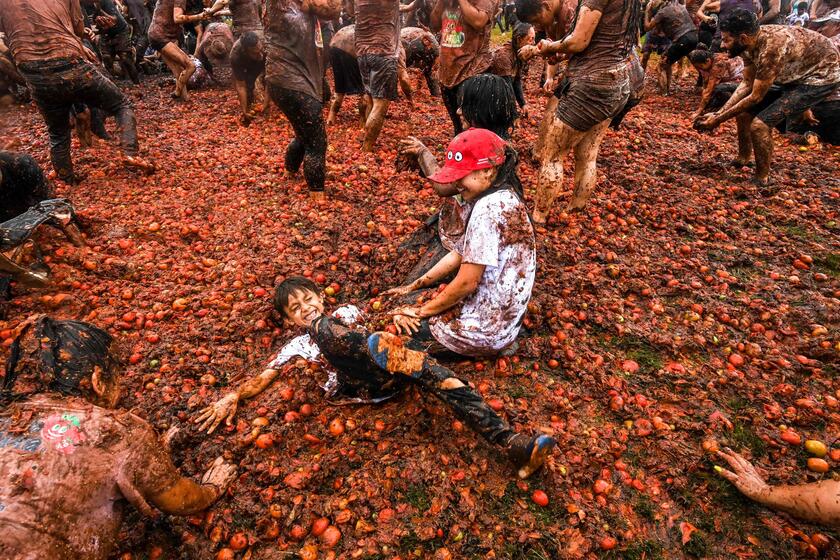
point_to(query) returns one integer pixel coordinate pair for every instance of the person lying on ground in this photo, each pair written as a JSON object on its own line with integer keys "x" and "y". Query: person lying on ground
{"x": 22, "y": 184}
{"x": 508, "y": 63}
{"x": 818, "y": 502}
{"x": 806, "y": 66}
{"x": 164, "y": 34}
{"x": 379, "y": 363}
{"x": 721, "y": 76}
{"x": 45, "y": 39}
{"x": 70, "y": 461}
{"x": 671, "y": 19}
{"x": 480, "y": 311}
{"x": 247, "y": 63}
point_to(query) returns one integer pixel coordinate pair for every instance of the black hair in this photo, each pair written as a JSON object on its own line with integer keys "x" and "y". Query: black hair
{"x": 249, "y": 39}
{"x": 64, "y": 353}
{"x": 520, "y": 30}
{"x": 487, "y": 101}
{"x": 289, "y": 286}
{"x": 740, "y": 21}
{"x": 526, "y": 10}
{"x": 701, "y": 54}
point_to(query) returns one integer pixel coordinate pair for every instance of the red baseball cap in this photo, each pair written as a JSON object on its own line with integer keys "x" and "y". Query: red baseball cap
{"x": 473, "y": 149}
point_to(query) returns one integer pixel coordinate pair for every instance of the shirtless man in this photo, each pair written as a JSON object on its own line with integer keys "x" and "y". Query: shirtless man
{"x": 70, "y": 462}
{"x": 802, "y": 63}
{"x": 164, "y": 33}
{"x": 595, "y": 89}
{"x": 377, "y": 51}
{"x": 45, "y": 40}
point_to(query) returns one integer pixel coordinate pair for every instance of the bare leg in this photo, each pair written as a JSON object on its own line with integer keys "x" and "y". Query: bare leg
{"x": 405, "y": 85}
{"x": 181, "y": 67}
{"x": 559, "y": 139}
{"x": 586, "y": 165}
{"x": 545, "y": 124}
{"x": 645, "y": 59}
{"x": 745, "y": 145}
{"x": 335, "y": 107}
{"x": 762, "y": 139}
{"x": 665, "y": 72}
{"x": 373, "y": 125}
{"x": 362, "y": 108}
{"x": 368, "y": 101}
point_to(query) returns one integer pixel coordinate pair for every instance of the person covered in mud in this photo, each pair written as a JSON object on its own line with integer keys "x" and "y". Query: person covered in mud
{"x": 802, "y": 63}
{"x": 379, "y": 364}
{"x": 655, "y": 42}
{"x": 480, "y": 311}
{"x": 346, "y": 74}
{"x": 215, "y": 47}
{"x": 712, "y": 12}
{"x": 596, "y": 88}
{"x": 421, "y": 52}
{"x": 671, "y": 19}
{"x": 818, "y": 502}
{"x": 45, "y": 40}
{"x": 114, "y": 35}
{"x": 721, "y": 75}
{"x": 377, "y": 42}
{"x": 22, "y": 184}
{"x": 244, "y": 13}
{"x": 164, "y": 35}
{"x": 247, "y": 63}
{"x": 70, "y": 461}
{"x": 465, "y": 27}
{"x": 294, "y": 74}
{"x": 509, "y": 64}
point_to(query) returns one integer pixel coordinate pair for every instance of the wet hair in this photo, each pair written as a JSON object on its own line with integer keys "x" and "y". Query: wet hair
{"x": 249, "y": 39}
{"x": 61, "y": 355}
{"x": 217, "y": 49}
{"x": 700, "y": 55}
{"x": 527, "y": 10}
{"x": 520, "y": 31}
{"x": 739, "y": 22}
{"x": 487, "y": 101}
{"x": 289, "y": 286}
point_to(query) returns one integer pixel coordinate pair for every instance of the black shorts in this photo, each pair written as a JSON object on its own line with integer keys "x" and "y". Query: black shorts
{"x": 158, "y": 43}
{"x": 379, "y": 75}
{"x": 784, "y": 102}
{"x": 585, "y": 101}
{"x": 655, "y": 43}
{"x": 345, "y": 67}
{"x": 681, "y": 47}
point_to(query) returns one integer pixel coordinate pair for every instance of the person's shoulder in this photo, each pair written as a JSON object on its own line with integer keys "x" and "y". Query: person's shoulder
{"x": 496, "y": 203}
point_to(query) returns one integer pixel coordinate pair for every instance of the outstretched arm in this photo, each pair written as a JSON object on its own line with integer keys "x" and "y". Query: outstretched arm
{"x": 818, "y": 502}
{"x": 226, "y": 407}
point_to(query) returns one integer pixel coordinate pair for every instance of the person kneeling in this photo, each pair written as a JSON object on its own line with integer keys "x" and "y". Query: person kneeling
{"x": 379, "y": 364}
{"x": 68, "y": 460}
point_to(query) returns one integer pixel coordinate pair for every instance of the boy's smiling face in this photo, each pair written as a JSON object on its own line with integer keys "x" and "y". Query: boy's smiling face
{"x": 303, "y": 307}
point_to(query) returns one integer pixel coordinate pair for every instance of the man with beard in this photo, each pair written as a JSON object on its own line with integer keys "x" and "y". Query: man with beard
{"x": 804, "y": 67}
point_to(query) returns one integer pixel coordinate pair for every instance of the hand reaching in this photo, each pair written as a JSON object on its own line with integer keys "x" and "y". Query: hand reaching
{"x": 219, "y": 475}
{"x": 411, "y": 146}
{"x": 223, "y": 409}
{"x": 743, "y": 475}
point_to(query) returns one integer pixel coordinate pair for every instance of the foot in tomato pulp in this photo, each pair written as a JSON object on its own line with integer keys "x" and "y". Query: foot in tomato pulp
{"x": 529, "y": 454}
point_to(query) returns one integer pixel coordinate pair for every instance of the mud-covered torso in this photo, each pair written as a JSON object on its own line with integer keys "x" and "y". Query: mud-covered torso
{"x": 61, "y": 460}
{"x": 793, "y": 56}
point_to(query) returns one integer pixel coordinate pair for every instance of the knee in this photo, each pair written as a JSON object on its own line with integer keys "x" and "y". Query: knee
{"x": 758, "y": 128}
{"x": 451, "y": 383}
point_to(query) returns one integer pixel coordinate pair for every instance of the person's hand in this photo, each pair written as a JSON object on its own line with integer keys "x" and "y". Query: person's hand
{"x": 743, "y": 475}
{"x": 399, "y": 290}
{"x": 528, "y": 52}
{"x": 407, "y": 320}
{"x": 223, "y": 409}
{"x": 544, "y": 46}
{"x": 411, "y": 146}
{"x": 90, "y": 55}
{"x": 549, "y": 86}
{"x": 90, "y": 34}
{"x": 219, "y": 475}
{"x": 707, "y": 122}
{"x": 523, "y": 112}
{"x": 695, "y": 115}
{"x": 105, "y": 21}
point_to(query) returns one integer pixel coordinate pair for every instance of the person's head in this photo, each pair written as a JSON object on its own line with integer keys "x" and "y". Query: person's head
{"x": 801, "y": 7}
{"x": 472, "y": 162}
{"x": 298, "y": 301}
{"x": 217, "y": 49}
{"x": 738, "y": 31}
{"x": 701, "y": 57}
{"x": 539, "y": 13}
{"x": 487, "y": 101}
{"x": 523, "y": 34}
{"x": 252, "y": 44}
{"x": 69, "y": 357}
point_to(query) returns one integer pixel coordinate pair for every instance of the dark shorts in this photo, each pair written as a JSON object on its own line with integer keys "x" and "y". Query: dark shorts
{"x": 245, "y": 69}
{"x": 784, "y": 102}
{"x": 681, "y": 47}
{"x": 379, "y": 75}
{"x": 655, "y": 43}
{"x": 117, "y": 44}
{"x": 348, "y": 78}
{"x": 585, "y": 101}
{"x": 158, "y": 43}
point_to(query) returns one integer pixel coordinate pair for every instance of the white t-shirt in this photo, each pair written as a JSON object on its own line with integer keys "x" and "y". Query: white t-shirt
{"x": 499, "y": 236}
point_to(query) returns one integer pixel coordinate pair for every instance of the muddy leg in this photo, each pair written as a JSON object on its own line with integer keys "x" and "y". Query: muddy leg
{"x": 745, "y": 144}
{"x": 374, "y": 123}
{"x": 558, "y": 140}
{"x": 762, "y": 140}
{"x": 548, "y": 118}
{"x": 586, "y": 165}
{"x": 335, "y": 107}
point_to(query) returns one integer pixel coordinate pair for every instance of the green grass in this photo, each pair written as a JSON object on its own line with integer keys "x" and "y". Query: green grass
{"x": 743, "y": 436}
{"x": 829, "y": 264}
{"x": 417, "y": 496}
{"x": 638, "y": 550}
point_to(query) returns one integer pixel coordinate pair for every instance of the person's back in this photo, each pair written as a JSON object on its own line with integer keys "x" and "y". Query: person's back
{"x": 65, "y": 468}
{"x": 39, "y": 30}
{"x": 609, "y": 45}
{"x": 246, "y": 16}
{"x": 796, "y": 56}
{"x": 674, "y": 20}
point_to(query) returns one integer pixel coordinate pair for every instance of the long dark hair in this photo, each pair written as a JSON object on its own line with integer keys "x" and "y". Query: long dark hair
{"x": 487, "y": 101}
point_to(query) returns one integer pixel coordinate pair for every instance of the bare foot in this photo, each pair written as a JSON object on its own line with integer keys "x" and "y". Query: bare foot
{"x": 317, "y": 195}
{"x": 139, "y": 163}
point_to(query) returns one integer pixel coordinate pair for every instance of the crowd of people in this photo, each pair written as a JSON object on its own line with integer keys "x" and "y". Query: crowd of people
{"x": 767, "y": 65}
